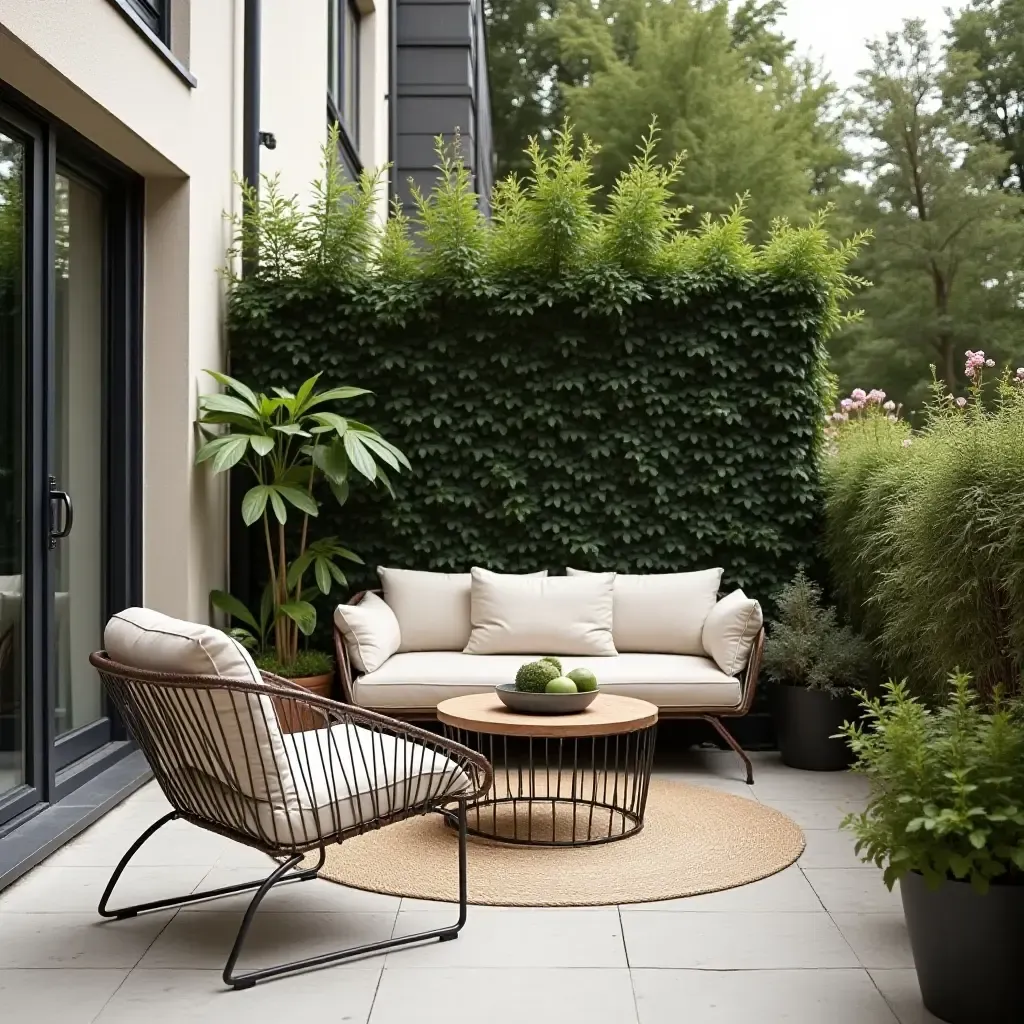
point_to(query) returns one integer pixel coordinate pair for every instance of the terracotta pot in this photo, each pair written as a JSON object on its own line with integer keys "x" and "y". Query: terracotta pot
{"x": 299, "y": 719}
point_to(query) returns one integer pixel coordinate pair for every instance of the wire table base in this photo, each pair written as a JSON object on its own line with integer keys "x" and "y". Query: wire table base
{"x": 576, "y": 791}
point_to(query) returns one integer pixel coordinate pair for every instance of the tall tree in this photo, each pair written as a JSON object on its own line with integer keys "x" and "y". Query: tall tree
{"x": 948, "y": 241}
{"x": 724, "y": 89}
{"x": 985, "y": 83}
{"x": 522, "y": 56}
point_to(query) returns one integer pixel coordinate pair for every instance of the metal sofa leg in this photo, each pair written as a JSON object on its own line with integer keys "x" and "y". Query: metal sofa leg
{"x": 194, "y": 897}
{"x": 242, "y": 981}
{"x": 731, "y": 740}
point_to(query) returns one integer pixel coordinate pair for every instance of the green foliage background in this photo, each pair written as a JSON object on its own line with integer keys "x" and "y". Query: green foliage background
{"x": 571, "y": 386}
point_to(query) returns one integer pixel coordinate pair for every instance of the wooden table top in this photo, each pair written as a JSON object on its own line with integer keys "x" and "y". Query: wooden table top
{"x": 608, "y": 715}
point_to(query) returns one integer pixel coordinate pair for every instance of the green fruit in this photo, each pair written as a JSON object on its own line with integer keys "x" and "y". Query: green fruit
{"x": 562, "y": 684}
{"x": 535, "y": 675}
{"x": 552, "y": 660}
{"x": 584, "y": 679}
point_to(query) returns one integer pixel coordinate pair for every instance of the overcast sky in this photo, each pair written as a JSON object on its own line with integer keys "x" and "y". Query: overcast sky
{"x": 835, "y": 30}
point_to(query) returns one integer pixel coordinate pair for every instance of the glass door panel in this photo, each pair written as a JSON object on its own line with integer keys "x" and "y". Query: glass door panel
{"x": 13, "y": 704}
{"x": 78, "y": 470}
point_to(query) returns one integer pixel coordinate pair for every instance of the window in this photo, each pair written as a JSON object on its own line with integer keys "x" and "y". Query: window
{"x": 343, "y": 68}
{"x": 153, "y": 14}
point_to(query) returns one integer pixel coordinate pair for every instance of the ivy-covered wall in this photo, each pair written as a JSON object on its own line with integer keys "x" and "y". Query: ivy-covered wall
{"x": 572, "y": 386}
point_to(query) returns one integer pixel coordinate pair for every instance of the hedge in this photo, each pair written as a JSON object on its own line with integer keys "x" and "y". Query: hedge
{"x": 573, "y": 385}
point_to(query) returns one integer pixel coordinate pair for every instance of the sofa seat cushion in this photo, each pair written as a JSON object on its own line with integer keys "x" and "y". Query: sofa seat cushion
{"x": 422, "y": 679}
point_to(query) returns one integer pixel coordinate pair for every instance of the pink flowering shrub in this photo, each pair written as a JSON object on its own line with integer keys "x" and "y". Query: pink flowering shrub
{"x": 924, "y": 533}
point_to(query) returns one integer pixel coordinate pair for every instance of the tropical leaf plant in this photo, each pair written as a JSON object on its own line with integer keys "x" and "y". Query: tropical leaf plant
{"x": 290, "y": 442}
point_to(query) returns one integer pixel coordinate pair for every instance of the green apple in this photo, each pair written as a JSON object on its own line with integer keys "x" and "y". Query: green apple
{"x": 584, "y": 679}
{"x": 560, "y": 684}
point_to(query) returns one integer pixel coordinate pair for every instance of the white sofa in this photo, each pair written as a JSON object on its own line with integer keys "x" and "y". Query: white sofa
{"x": 403, "y": 653}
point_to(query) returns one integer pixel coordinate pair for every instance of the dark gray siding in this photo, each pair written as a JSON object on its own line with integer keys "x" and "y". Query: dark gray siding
{"x": 441, "y": 86}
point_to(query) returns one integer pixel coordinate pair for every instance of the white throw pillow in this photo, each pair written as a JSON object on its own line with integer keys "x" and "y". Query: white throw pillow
{"x": 432, "y": 608}
{"x": 550, "y": 615}
{"x": 230, "y": 735}
{"x": 370, "y": 630}
{"x": 662, "y": 613}
{"x": 730, "y": 630}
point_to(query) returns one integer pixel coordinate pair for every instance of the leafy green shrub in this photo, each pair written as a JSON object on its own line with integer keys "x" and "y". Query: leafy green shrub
{"x": 947, "y": 786}
{"x": 806, "y": 646}
{"x": 571, "y": 385}
{"x": 924, "y": 535}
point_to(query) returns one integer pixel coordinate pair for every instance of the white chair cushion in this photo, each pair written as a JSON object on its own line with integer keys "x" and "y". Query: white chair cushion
{"x": 345, "y": 776}
{"x": 232, "y": 736}
{"x": 730, "y": 630}
{"x": 432, "y": 608}
{"x": 556, "y": 614}
{"x": 370, "y": 630}
{"x": 662, "y": 613}
{"x": 421, "y": 680}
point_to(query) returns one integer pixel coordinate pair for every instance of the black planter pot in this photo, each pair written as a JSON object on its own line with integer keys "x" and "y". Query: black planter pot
{"x": 805, "y": 720}
{"x": 968, "y": 949}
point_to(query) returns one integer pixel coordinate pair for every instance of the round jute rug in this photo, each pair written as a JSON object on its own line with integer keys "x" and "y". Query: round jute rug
{"x": 695, "y": 840}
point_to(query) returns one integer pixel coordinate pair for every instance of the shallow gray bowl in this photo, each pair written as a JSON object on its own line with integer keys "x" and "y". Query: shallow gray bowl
{"x": 543, "y": 703}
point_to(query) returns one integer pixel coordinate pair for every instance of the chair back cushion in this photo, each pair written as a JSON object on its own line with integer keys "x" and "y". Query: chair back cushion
{"x": 556, "y": 614}
{"x": 432, "y": 608}
{"x": 662, "y": 613}
{"x": 370, "y": 630}
{"x": 233, "y": 736}
{"x": 730, "y": 630}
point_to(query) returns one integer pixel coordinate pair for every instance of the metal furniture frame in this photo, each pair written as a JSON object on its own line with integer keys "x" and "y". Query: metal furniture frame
{"x": 711, "y": 714}
{"x": 172, "y": 718}
{"x": 583, "y": 781}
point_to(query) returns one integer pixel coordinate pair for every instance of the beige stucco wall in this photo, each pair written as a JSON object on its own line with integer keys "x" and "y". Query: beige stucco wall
{"x": 81, "y": 61}
{"x": 293, "y": 97}
{"x": 374, "y": 83}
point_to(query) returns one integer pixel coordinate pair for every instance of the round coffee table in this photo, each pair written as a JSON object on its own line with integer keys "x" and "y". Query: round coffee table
{"x": 559, "y": 780}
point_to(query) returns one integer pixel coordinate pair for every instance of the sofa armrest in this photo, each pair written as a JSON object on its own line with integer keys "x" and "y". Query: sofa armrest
{"x": 751, "y": 674}
{"x": 346, "y": 673}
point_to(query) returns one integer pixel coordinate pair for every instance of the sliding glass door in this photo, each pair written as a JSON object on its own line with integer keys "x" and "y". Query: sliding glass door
{"x": 69, "y": 450}
{"x": 77, "y": 477}
{"x": 12, "y": 348}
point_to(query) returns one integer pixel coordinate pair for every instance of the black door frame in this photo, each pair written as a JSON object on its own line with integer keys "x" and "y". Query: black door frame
{"x": 55, "y": 766}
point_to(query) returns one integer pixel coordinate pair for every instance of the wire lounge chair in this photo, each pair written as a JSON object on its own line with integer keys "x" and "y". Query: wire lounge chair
{"x": 209, "y": 725}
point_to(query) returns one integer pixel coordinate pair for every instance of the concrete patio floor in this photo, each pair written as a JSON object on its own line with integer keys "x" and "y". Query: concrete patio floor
{"x": 823, "y": 941}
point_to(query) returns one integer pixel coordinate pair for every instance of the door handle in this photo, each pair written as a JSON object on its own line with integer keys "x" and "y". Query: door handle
{"x": 67, "y": 520}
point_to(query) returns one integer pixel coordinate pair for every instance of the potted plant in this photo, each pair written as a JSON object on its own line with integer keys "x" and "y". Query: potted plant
{"x": 945, "y": 818}
{"x": 816, "y": 663}
{"x": 291, "y": 444}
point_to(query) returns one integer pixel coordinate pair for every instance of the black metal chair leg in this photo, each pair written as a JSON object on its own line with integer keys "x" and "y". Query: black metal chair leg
{"x": 194, "y": 897}
{"x": 730, "y": 739}
{"x": 242, "y": 981}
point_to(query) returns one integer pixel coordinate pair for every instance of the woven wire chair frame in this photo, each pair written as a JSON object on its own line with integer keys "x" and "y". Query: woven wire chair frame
{"x": 201, "y": 736}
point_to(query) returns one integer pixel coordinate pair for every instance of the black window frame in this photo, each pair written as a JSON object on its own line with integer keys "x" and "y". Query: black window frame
{"x": 155, "y": 14}
{"x": 348, "y": 133}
